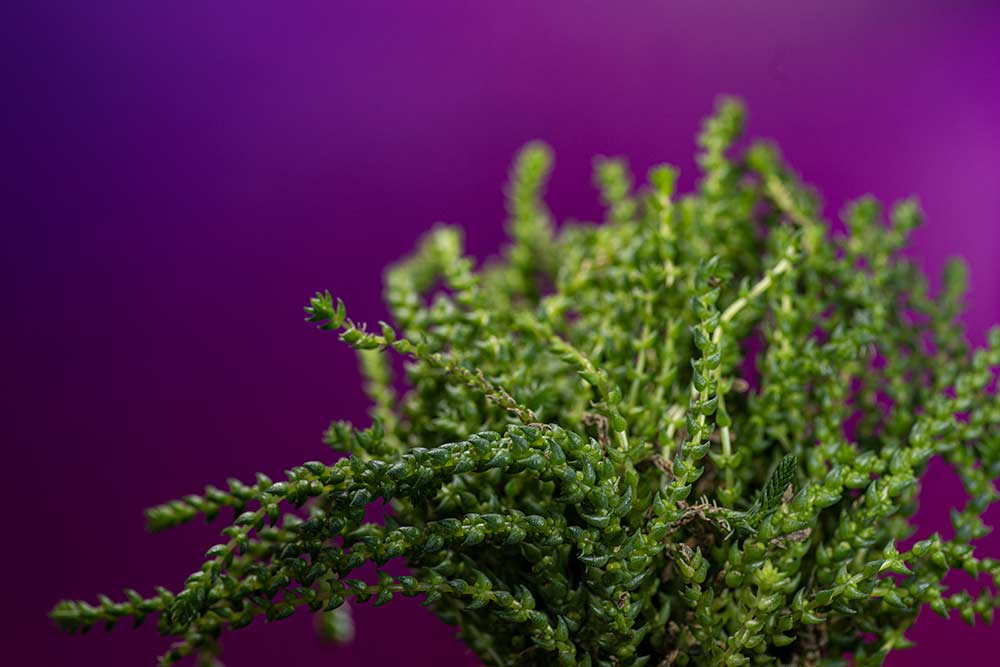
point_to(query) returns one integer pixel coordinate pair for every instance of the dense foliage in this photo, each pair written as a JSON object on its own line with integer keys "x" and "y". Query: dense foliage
{"x": 692, "y": 434}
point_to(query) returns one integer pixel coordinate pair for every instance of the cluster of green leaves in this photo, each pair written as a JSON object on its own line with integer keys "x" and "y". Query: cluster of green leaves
{"x": 692, "y": 434}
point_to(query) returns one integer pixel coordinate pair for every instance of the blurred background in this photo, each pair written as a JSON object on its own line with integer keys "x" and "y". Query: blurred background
{"x": 180, "y": 177}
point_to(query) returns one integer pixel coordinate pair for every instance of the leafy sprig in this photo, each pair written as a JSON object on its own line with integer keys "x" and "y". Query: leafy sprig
{"x": 693, "y": 434}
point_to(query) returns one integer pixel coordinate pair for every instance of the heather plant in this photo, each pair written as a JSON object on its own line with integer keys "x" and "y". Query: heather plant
{"x": 692, "y": 434}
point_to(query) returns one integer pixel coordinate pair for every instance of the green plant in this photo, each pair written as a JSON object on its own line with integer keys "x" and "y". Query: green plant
{"x": 692, "y": 434}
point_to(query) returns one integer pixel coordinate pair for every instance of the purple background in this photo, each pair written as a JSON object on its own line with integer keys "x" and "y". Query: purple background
{"x": 181, "y": 177}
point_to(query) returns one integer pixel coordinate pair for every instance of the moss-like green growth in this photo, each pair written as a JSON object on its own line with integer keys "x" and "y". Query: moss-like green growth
{"x": 692, "y": 434}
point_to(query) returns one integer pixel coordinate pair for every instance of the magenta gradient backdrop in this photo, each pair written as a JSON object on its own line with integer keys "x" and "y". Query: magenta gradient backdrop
{"x": 181, "y": 176}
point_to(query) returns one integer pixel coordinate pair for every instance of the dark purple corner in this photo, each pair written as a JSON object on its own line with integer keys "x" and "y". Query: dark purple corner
{"x": 180, "y": 177}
